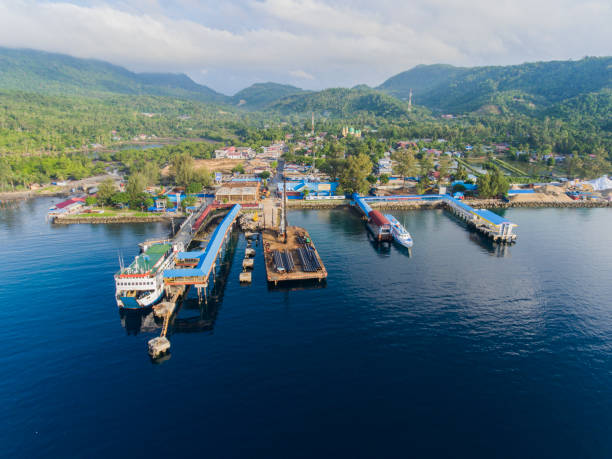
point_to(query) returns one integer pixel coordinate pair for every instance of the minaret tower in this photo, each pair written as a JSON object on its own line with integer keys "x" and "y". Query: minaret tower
{"x": 410, "y": 101}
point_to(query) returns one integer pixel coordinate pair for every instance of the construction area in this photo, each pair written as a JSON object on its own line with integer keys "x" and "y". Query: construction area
{"x": 292, "y": 259}
{"x": 289, "y": 253}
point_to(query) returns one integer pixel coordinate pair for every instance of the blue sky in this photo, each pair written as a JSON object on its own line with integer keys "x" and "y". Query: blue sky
{"x": 313, "y": 44}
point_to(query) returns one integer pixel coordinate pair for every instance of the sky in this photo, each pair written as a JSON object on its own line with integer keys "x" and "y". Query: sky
{"x": 313, "y": 44}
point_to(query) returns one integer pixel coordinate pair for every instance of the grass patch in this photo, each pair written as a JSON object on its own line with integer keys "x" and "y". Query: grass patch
{"x": 111, "y": 212}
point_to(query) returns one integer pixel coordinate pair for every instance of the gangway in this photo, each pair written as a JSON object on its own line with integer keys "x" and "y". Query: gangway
{"x": 199, "y": 275}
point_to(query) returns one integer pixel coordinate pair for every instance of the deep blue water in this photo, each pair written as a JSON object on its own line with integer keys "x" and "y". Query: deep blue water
{"x": 462, "y": 349}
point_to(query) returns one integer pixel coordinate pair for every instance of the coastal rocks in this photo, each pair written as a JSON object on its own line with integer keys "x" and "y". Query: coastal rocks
{"x": 322, "y": 204}
{"x": 158, "y": 346}
{"x": 499, "y": 204}
{"x": 70, "y": 220}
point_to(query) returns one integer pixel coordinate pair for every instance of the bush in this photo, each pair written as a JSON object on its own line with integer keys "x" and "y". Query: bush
{"x": 194, "y": 187}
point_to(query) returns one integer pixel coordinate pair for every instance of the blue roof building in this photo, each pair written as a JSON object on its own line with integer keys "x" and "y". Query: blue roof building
{"x": 314, "y": 188}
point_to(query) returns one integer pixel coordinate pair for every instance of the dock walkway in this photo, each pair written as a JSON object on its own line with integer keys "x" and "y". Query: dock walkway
{"x": 488, "y": 223}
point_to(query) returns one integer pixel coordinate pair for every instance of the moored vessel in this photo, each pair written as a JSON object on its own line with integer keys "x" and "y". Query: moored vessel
{"x": 141, "y": 284}
{"x": 399, "y": 233}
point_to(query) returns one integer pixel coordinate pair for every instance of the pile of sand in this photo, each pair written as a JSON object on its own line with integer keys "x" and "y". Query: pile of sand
{"x": 541, "y": 196}
{"x": 552, "y": 190}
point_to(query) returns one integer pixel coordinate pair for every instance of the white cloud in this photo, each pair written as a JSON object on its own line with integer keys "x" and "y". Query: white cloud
{"x": 301, "y": 74}
{"x": 341, "y": 42}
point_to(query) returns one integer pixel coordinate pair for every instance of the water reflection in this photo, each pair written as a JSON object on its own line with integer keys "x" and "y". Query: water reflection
{"x": 380, "y": 247}
{"x": 493, "y": 248}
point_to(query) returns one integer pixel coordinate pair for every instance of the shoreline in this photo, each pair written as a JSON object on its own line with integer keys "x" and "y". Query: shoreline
{"x": 22, "y": 195}
{"x": 102, "y": 220}
{"x": 74, "y": 219}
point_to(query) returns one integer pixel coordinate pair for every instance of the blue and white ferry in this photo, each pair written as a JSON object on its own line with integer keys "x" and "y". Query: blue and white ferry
{"x": 399, "y": 233}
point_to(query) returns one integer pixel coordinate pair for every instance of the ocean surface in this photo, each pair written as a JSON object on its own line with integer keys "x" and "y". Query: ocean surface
{"x": 458, "y": 349}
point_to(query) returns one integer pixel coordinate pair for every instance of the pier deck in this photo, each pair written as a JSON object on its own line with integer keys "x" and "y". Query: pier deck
{"x": 297, "y": 270}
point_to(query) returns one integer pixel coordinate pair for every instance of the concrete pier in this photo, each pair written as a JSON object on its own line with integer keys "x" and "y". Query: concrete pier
{"x": 158, "y": 346}
{"x": 248, "y": 263}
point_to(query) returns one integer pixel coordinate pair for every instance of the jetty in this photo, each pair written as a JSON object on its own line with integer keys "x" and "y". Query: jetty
{"x": 289, "y": 253}
{"x": 191, "y": 268}
{"x": 291, "y": 256}
{"x": 492, "y": 225}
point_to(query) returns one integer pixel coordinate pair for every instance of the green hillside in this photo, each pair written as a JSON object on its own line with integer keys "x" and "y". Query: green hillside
{"x": 421, "y": 79}
{"x": 59, "y": 74}
{"x": 536, "y": 85}
{"x": 341, "y": 102}
{"x": 260, "y": 95}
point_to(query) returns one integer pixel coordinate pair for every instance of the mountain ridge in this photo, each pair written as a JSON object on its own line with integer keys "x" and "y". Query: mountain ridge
{"x": 541, "y": 88}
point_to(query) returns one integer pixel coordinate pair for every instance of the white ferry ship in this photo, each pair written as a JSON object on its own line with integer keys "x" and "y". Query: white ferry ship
{"x": 399, "y": 233}
{"x": 141, "y": 284}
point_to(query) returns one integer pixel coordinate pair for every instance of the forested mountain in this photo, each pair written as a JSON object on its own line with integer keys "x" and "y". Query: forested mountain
{"x": 341, "y": 102}
{"x": 260, "y": 95}
{"x": 556, "y": 88}
{"x": 59, "y": 74}
{"x": 421, "y": 79}
{"x": 531, "y": 86}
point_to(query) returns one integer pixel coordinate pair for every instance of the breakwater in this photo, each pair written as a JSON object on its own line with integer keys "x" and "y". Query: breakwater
{"x": 499, "y": 203}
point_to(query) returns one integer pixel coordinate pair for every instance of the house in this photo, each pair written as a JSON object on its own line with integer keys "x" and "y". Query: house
{"x": 274, "y": 151}
{"x": 405, "y": 144}
{"x": 238, "y": 192}
{"x": 384, "y": 166}
{"x": 298, "y": 189}
{"x": 235, "y": 153}
{"x": 68, "y": 206}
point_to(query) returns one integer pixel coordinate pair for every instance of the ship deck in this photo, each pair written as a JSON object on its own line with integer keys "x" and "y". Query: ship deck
{"x": 145, "y": 262}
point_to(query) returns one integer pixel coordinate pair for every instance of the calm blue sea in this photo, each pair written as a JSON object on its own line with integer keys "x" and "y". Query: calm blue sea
{"x": 461, "y": 349}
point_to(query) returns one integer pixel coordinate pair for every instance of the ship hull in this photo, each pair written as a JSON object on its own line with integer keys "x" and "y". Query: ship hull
{"x": 130, "y": 302}
{"x": 377, "y": 232}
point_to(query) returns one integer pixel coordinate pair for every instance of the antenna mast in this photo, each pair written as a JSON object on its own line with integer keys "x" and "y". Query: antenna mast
{"x": 284, "y": 209}
{"x": 312, "y": 124}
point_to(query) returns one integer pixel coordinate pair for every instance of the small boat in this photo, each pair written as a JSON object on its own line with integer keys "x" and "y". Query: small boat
{"x": 399, "y": 233}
